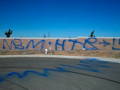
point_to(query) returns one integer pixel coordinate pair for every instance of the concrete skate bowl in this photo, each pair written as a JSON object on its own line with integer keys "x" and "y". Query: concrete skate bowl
{"x": 52, "y": 73}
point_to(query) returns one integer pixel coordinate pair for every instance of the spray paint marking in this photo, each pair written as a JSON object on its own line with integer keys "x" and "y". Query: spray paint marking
{"x": 60, "y": 45}
{"x": 87, "y": 65}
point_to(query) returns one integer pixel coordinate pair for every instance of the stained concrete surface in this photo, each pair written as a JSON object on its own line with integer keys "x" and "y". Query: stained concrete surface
{"x": 40, "y": 73}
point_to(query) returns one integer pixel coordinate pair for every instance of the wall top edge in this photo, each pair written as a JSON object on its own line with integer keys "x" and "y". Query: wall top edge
{"x": 51, "y": 37}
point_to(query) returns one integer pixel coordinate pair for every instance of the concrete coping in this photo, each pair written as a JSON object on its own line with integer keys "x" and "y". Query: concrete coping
{"x": 62, "y": 56}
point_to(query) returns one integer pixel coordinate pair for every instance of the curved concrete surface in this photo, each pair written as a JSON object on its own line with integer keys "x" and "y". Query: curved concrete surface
{"x": 40, "y": 73}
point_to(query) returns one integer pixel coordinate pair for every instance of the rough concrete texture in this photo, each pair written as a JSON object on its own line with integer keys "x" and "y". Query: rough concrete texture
{"x": 45, "y": 73}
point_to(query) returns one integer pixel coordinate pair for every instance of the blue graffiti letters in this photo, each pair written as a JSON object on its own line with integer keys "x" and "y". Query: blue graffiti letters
{"x": 74, "y": 42}
{"x": 90, "y": 42}
{"x": 15, "y": 43}
{"x": 114, "y": 44}
{"x": 34, "y": 44}
{"x": 61, "y": 44}
{"x": 58, "y": 44}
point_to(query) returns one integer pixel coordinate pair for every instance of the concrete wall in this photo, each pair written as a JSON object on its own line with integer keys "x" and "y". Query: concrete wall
{"x": 60, "y": 44}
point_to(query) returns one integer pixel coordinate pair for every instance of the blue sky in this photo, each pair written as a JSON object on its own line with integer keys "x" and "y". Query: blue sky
{"x": 60, "y": 18}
